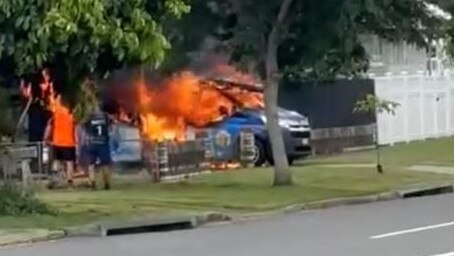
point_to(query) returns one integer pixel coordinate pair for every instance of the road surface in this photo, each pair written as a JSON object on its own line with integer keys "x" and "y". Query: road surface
{"x": 413, "y": 227}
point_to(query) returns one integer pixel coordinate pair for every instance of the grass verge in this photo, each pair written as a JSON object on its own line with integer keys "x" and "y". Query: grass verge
{"x": 245, "y": 191}
{"x": 232, "y": 192}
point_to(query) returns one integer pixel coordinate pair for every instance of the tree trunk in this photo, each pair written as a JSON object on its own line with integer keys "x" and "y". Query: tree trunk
{"x": 282, "y": 175}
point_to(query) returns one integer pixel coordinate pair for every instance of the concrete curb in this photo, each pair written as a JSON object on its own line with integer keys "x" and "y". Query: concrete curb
{"x": 53, "y": 235}
{"x": 401, "y": 193}
{"x": 106, "y": 228}
{"x": 93, "y": 230}
{"x": 97, "y": 230}
{"x": 353, "y": 200}
{"x": 317, "y": 205}
{"x": 32, "y": 238}
{"x": 426, "y": 190}
{"x": 148, "y": 225}
{"x": 213, "y": 217}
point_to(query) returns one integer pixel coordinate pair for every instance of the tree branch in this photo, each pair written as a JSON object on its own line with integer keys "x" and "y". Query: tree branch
{"x": 277, "y": 27}
{"x": 283, "y": 12}
{"x": 274, "y": 38}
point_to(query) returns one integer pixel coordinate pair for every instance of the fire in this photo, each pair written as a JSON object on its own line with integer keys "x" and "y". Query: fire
{"x": 169, "y": 107}
{"x": 52, "y": 101}
{"x": 225, "y": 166}
{"x": 122, "y": 116}
{"x": 229, "y": 73}
{"x": 25, "y": 90}
{"x": 250, "y": 100}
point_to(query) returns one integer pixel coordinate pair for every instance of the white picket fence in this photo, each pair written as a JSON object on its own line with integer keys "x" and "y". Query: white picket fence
{"x": 426, "y": 107}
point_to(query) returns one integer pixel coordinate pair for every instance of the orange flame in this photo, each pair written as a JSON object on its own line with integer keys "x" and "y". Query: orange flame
{"x": 229, "y": 73}
{"x": 250, "y": 100}
{"x": 168, "y": 108}
{"x": 25, "y": 90}
{"x": 225, "y": 166}
{"x": 51, "y": 100}
{"x": 122, "y": 116}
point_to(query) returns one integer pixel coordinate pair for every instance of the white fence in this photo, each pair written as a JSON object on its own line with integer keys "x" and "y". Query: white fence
{"x": 426, "y": 111}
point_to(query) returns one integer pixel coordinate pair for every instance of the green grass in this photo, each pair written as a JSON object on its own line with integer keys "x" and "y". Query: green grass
{"x": 433, "y": 152}
{"x": 244, "y": 191}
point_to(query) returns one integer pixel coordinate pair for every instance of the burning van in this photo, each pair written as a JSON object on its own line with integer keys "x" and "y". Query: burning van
{"x": 224, "y": 135}
{"x": 126, "y": 146}
{"x": 170, "y": 109}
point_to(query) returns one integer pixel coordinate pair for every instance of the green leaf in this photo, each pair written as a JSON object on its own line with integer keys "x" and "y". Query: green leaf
{"x": 19, "y": 21}
{"x": 71, "y": 35}
{"x": 372, "y": 104}
{"x": 121, "y": 54}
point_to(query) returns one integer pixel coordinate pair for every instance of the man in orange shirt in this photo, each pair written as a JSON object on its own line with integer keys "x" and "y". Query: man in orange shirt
{"x": 61, "y": 134}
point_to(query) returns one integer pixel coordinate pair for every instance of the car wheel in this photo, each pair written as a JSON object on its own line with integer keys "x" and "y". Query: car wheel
{"x": 259, "y": 153}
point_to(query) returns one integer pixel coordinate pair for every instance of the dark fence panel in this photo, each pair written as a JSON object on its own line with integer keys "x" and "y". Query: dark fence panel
{"x": 328, "y": 104}
{"x": 329, "y": 107}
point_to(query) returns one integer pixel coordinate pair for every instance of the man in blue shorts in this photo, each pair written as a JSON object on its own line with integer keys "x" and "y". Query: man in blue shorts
{"x": 96, "y": 147}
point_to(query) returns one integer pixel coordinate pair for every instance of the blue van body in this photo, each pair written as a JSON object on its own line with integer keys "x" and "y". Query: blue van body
{"x": 126, "y": 146}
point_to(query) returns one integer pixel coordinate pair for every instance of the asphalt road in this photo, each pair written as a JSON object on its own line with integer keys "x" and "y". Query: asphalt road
{"x": 413, "y": 227}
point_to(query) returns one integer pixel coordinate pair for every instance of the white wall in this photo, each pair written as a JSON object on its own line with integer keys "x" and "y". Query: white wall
{"x": 426, "y": 111}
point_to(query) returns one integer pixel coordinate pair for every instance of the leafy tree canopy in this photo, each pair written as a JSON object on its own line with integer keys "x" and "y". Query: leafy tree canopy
{"x": 319, "y": 39}
{"x": 448, "y": 6}
{"x": 77, "y": 37}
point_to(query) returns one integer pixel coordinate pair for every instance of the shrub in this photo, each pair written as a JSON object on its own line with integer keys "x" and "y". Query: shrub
{"x": 13, "y": 202}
